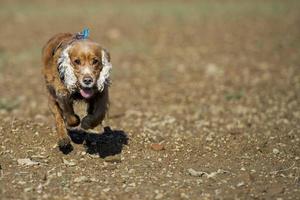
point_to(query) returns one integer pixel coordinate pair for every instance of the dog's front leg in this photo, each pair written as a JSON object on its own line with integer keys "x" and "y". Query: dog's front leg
{"x": 66, "y": 104}
{"x": 96, "y": 110}
{"x": 64, "y": 141}
{"x": 62, "y": 96}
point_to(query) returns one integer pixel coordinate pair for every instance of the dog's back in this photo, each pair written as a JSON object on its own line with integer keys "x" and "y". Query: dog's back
{"x": 52, "y": 45}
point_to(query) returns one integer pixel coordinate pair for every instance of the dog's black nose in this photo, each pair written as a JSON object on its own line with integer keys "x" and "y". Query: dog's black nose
{"x": 87, "y": 80}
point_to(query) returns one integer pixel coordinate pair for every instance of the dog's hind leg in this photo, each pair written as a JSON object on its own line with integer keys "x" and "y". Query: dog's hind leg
{"x": 64, "y": 141}
{"x": 96, "y": 111}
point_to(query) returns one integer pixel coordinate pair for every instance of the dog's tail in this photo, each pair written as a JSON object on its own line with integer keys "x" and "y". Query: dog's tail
{"x": 52, "y": 45}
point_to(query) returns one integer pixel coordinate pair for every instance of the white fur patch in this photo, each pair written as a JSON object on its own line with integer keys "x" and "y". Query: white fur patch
{"x": 65, "y": 70}
{"x": 105, "y": 73}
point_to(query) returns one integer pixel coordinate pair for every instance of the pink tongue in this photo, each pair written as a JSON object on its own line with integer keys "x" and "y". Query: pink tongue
{"x": 86, "y": 93}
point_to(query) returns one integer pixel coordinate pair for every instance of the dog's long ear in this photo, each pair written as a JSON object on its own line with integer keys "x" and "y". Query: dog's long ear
{"x": 66, "y": 71}
{"x": 105, "y": 56}
{"x": 104, "y": 77}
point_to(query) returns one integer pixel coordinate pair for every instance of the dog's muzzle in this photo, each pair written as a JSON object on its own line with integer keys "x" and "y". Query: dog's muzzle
{"x": 87, "y": 82}
{"x": 87, "y": 85}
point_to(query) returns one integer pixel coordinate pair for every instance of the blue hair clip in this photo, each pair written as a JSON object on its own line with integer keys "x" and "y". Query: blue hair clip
{"x": 84, "y": 34}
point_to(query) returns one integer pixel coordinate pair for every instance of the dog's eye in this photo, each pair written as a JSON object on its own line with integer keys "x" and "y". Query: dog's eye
{"x": 95, "y": 61}
{"x": 77, "y": 61}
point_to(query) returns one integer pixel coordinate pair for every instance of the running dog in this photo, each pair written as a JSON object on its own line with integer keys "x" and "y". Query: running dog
{"x": 76, "y": 68}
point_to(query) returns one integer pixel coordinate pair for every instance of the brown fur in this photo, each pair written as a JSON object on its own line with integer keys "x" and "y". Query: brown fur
{"x": 60, "y": 98}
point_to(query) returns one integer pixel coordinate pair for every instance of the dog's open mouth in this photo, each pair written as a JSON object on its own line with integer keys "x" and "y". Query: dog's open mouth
{"x": 86, "y": 92}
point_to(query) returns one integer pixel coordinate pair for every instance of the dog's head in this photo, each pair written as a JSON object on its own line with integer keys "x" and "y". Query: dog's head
{"x": 85, "y": 67}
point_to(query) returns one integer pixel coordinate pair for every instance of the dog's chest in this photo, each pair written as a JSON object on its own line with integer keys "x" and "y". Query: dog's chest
{"x": 77, "y": 96}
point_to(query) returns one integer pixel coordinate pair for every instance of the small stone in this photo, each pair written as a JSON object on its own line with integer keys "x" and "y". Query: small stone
{"x": 93, "y": 155}
{"x": 39, "y": 156}
{"x": 94, "y": 180}
{"x": 240, "y": 184}
{"x": 27, "y": 162}
{"x": 81, "y": 179}
{"x": 209, "y": 138}
{"x": 106, "y": 190}
{"x": 39, "y": 188}
{"x": 213, "y": 70}
{"x": 276, "y": 151}
{"x": 131, "y": 171}
{"x": 157, "y": 147}
{"x": 105, "y": 164}
{"x": 132, "y": 185}
{"x": 21, "y": 182}
{"x": 113, "y": 159}
{"x": 211, "y": 175}
{"x": 159, "y": 196}
{"x": 193, "y": 172}
{"x": 69, "y": 163}
{"x": 184, "y": 196}
{"x": 28, "y": 189}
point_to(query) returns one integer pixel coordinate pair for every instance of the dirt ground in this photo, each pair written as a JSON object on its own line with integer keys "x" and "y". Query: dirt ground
{"x": 205, "y": 101}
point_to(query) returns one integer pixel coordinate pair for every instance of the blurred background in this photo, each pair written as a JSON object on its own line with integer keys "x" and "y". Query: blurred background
{"x": 221, "y": 76}
{"x": 179, "y": 48}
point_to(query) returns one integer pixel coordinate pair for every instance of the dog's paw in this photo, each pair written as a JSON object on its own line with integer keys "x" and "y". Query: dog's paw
{"x": 65, "y": 145}
{"x": 73, "y": 120}
{"x": 88, "y": 123}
